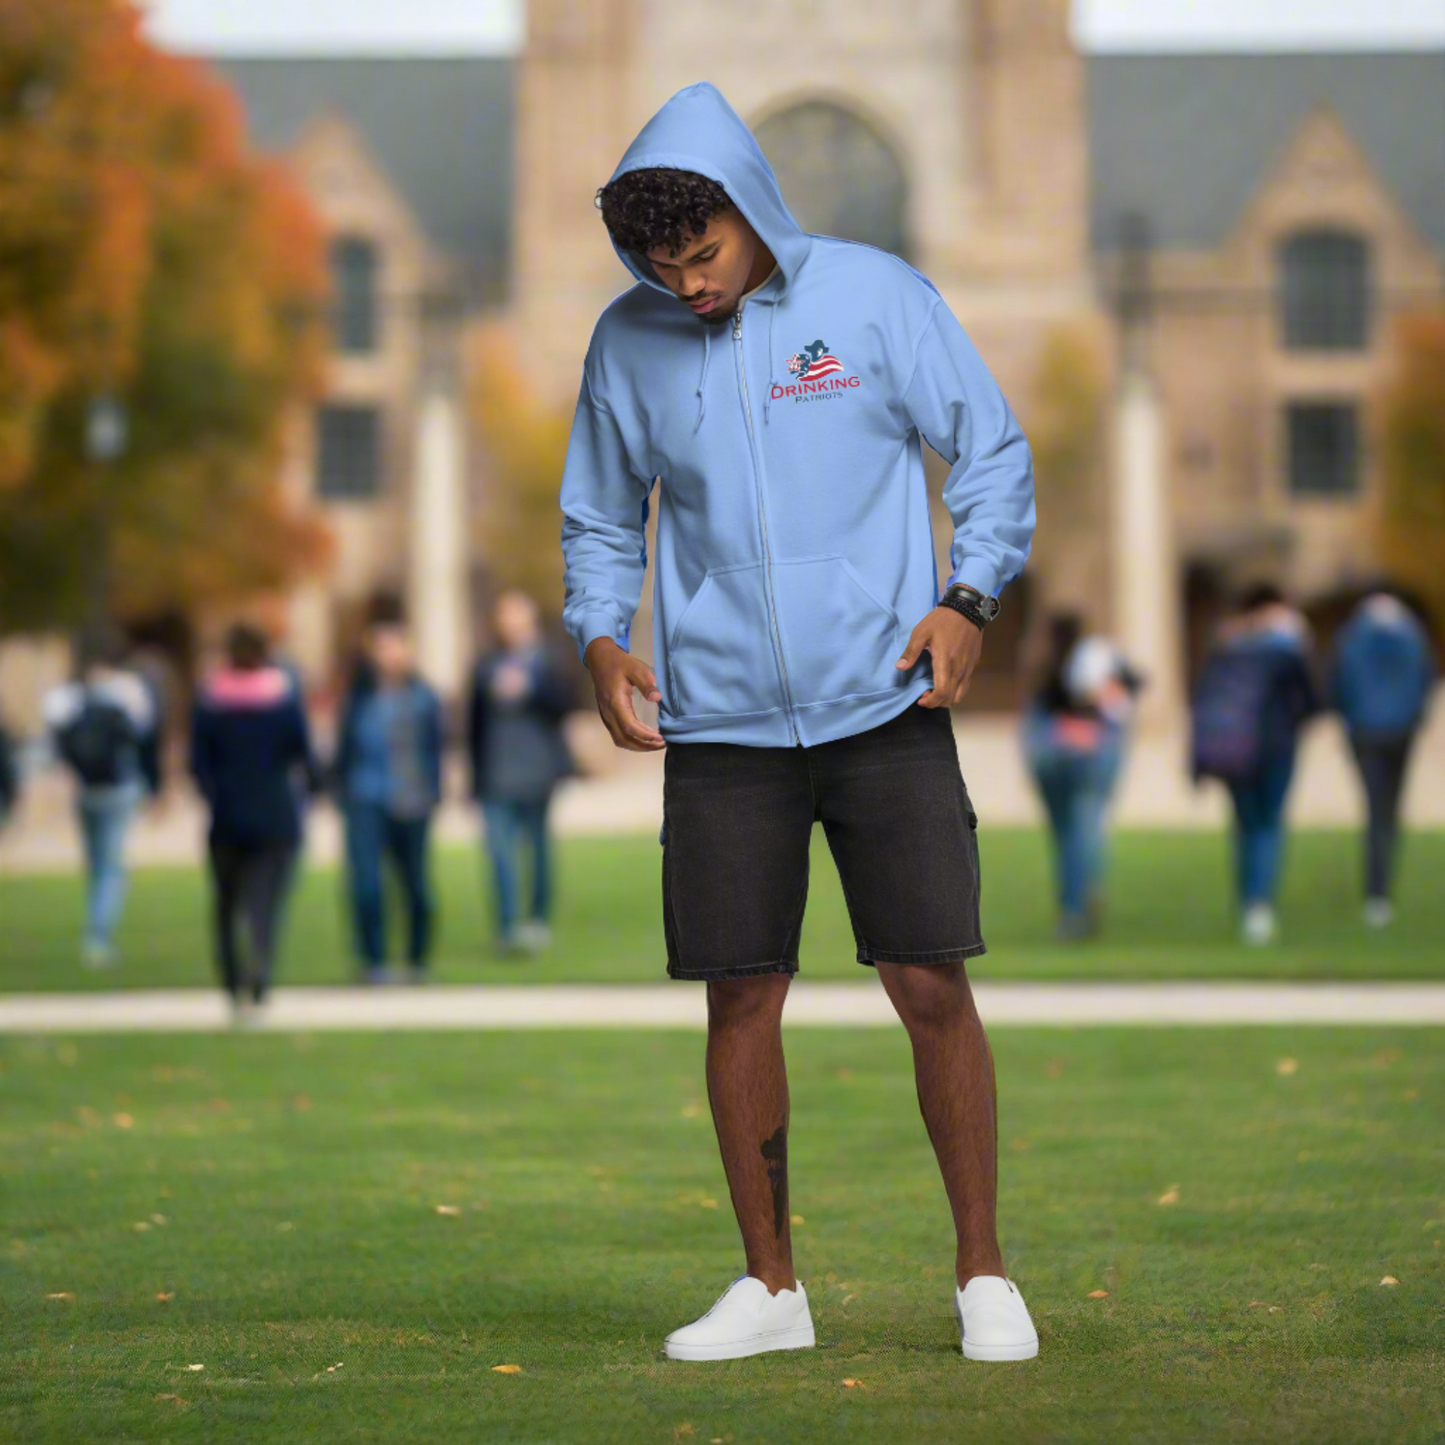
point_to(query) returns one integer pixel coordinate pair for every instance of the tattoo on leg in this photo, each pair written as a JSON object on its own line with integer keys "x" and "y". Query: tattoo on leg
{"x": 775, "y": 1151}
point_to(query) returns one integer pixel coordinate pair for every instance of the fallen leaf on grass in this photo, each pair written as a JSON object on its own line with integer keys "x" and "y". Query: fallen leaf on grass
{"x": 1389, "y": 1279}
{"x": 506, "y": 1369}
{"x": 165, "y": 1297}
{"x": 1098, "y": 1294}
{"x": 1287, "y": 1066}
{"x": 332, "y": 1369}
{"x": 194, "y": 1368}
{"x": 798, "y": 1219}
{"x": 1018, "y": 1144}
{"x": 1319, "y": 1266}
{"x": 1170, "y": 1195}
{"x": 60, "y": 1294}
{"x": 691, "y": 1111}
{"x": 849, "y": 1298}
{"x": 448, "y": 1209}
{"x": 141, "y": 1225}
{"x": 159, "y": 1219}
{"x": 301, "y": 1103}
{"x": 854, "y": 1385}
{"x": 1275, "y": 1309}
{"x": 1256, "y": 1304}
{"x": 684, "y": 1431}
{"x": 708, "y": 1203}
{"x": 123, "y": 1121}
{"x": 171, "y": 1399}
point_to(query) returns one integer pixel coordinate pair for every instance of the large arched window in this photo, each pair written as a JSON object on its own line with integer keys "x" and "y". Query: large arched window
{"x": 1324, "y": 288}
{"x": 838, "y": 175}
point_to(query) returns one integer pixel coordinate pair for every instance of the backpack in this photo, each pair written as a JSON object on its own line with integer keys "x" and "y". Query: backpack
{"x": 99, "y": 742}
{"x": 1227, "y": 713}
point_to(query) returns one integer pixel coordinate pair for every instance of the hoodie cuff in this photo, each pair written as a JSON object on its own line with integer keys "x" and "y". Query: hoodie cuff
{"x": 975, "y": 572}
{"x": 594, "y": 625}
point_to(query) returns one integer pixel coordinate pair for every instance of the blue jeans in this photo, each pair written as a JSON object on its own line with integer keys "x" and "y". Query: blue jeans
{"x": 105, "y": 816}
{"x": 371, "y": 834}
{"x": 508, "y": 824}
{"x": 1259, "y": 829}
{"x": 1076, "y": 785}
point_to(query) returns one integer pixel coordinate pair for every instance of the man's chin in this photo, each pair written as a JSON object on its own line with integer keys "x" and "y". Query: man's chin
{"x": 720, "y": 315}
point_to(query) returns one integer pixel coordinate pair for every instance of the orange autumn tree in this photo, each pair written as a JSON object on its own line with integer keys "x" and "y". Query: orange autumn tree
{"x": 146, "y": 256}
{"x": 1410, "y": 416}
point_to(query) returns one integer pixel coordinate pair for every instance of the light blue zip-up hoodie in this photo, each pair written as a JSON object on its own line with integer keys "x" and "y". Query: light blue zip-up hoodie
{"x": 794, "y": 547}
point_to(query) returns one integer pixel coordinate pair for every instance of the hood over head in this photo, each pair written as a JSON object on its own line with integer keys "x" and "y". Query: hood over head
{"x": 697, "y": 130}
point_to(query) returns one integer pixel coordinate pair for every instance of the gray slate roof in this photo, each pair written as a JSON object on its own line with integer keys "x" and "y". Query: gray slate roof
{"x": 441, "y": 128}
{"x": 1185, "y": 139}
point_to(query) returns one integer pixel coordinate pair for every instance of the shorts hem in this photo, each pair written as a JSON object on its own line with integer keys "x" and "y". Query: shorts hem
{"x": 752, "y": 970}
{"x": 868, "y": 957}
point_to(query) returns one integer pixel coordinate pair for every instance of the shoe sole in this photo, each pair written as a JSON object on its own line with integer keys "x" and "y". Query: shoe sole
{"x": 800, "y": 1337}
{"x": 1000, "y": 1352}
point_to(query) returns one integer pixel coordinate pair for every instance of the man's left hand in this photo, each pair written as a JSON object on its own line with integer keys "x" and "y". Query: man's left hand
{"x": 954, "y": 643}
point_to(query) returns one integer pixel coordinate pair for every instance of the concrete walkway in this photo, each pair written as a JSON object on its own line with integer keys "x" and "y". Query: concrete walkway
{"x": 682, "y": 1006}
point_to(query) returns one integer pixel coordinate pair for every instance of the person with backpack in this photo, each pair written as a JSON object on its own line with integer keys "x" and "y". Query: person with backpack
{"x": 252, "y": 761}
{"x": 519, "y": 698}
{"x": 389, "y": 780}
{"x": 1382, "y": 675}
{"x": 1075, "y": 731}
{"x": 1253, "y": 697}
{"x": 105, "y": 726}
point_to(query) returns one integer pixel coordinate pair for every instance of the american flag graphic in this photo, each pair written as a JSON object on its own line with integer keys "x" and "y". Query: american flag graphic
{"x": 804, "y": 367}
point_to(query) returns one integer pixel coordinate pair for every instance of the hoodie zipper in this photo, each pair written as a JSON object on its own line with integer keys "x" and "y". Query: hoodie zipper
{"x": 763, "y": 520}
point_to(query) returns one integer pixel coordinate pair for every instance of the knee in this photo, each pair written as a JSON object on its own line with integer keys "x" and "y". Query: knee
{"x": 929, "y": 998}
{"x": 739, "y": 1002}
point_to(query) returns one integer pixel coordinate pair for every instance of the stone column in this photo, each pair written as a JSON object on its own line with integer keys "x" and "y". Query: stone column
{"x": 437, "y": 525}
{"x": 1146, "y": 612}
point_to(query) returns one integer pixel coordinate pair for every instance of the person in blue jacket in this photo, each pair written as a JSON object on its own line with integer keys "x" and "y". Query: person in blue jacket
{"x": 252, "y": 761}
{"x": 780, "y": 386}
{"x": 1382, "y": 676}
{"x": 389, "y": 779}
{"x": 518, "y": 701}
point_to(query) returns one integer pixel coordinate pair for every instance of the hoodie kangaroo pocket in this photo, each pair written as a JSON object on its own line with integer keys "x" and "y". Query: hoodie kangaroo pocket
{"x": 720, "y": 657}
{"x": 839, "y": 639}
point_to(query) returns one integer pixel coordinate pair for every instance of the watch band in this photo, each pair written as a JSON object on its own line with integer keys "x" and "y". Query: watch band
{"x": 970, "y": 603}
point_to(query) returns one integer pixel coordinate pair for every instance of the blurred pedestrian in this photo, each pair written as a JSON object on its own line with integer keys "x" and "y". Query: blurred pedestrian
{"x": 1253, "y": 696}
{"x": 1075, "y": 733}
{"x": 253, "y": 763}
{"x": 1382, "y": 676}
{"x": 389, "y": 778}
{"x": 105, "y": 726}
{"x": 519, "y": 698}
{"x": 9, "y": 775}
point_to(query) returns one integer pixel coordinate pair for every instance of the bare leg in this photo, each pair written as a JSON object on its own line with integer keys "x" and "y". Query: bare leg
{"x": 953, "y": 1066}
{"x": 747, "y": 1086}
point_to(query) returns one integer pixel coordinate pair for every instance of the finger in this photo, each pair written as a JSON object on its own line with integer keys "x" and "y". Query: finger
{"x": 631, "y": 726}
{"x": 916, "y": 644}
{"x": 930, "y": 699}
{"x": 644, "y": 680}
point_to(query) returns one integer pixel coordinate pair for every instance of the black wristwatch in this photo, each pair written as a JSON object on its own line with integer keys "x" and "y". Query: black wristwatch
{"x": 972, "y": 603}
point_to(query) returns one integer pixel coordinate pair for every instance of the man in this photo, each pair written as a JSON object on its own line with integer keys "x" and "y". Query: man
{"x": 518, "y": 702}
{"x": 1382, "y": 676}
{"x": 804, "y": 668}
{"x": 105, "y": 727}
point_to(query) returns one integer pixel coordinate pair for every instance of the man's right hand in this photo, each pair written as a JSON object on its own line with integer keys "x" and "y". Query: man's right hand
{"x": 615, "y": 672}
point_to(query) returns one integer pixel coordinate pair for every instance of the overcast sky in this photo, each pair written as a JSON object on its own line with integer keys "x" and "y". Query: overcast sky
{"x": 496, "y": 26}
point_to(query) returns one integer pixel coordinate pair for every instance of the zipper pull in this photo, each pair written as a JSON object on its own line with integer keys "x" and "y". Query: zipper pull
{"x": 738, "y": 325}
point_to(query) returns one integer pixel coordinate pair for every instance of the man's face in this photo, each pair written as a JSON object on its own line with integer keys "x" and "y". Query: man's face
{"x": 710, "y": 272}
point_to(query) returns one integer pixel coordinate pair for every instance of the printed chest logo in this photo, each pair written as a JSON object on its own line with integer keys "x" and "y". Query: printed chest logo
{"x": 821, "y": 376}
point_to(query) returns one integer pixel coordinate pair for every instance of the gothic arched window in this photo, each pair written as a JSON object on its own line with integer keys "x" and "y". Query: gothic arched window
{"x": 1324, "y": 288}
{"x": 839, "y": 176}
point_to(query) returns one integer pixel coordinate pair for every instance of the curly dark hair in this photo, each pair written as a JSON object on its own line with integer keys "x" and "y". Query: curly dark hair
{"x": 645, "y": 209}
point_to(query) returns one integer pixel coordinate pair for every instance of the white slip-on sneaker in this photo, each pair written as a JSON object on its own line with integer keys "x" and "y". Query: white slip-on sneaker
{"x": 994, "y": 1320}
{"x": 747, "y": 1320}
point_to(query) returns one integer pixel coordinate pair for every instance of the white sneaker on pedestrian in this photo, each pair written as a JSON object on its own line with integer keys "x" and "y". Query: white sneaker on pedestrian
{"x": 1379, "y": 913}
{"x": 1260, "y": 925}
{"x": 97, "y": 955}
{"x": 994, "y": 1321}
{"x": 746, "y": 1320}
{"x": 533, "y": 936}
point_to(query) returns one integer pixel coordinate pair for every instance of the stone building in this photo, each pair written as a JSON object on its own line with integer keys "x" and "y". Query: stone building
{"x": 1230, "y": 236}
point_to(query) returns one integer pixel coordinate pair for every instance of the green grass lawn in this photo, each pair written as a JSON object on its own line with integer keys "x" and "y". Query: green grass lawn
{"x": 267, "y": 1208}
{"x": 1170, "y": 917}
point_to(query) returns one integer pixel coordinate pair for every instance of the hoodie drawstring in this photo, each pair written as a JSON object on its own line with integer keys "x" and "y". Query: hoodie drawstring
{"x": 702, "y": 380}
{"x": 768, "y": 396}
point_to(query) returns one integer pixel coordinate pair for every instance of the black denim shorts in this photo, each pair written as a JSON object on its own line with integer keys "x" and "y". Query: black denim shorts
{"x": 737, "y": 822}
